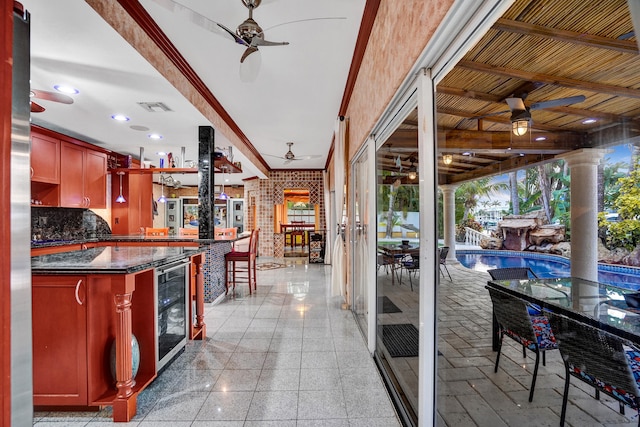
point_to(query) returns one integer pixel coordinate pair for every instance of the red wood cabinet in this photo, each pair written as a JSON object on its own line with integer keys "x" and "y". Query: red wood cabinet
{"x": 45, "y": 159}
{"x": 59, "y": 311}
{"x": 136, "y": 212}
{"x": 83, "y": 182}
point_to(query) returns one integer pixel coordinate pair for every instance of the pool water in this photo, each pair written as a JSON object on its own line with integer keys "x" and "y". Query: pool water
{"x": 547, "y": 267}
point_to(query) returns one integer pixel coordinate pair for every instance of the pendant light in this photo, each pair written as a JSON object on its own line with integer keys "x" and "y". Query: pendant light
{"x": 162, "y": 199}
{"x": 223, "y": 195}
{"x": 120, "y": 198}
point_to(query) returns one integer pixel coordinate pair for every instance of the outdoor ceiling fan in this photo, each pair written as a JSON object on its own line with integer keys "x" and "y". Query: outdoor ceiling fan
{"x": 521, "y": 114}
{"x": 289, "y": 156}
{"x": 47, "y": 96}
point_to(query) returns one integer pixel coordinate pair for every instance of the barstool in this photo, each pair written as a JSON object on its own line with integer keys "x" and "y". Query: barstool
{"x": 249, "y": 257}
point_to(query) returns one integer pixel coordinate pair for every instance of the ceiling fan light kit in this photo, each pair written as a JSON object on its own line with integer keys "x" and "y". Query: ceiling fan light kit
{"x": 520, "y": 127}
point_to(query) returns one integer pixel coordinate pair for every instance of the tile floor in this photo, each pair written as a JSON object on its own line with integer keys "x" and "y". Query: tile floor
{"x": 286, "y": 356}
{"x": 469, "y": 393}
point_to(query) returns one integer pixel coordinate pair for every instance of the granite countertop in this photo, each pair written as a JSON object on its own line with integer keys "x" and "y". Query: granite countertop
{"x": 131, "y": 238}
{"x": 109, "y": 259}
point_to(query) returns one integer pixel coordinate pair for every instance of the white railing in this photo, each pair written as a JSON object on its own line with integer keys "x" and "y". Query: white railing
{"x": 472, "y": 237}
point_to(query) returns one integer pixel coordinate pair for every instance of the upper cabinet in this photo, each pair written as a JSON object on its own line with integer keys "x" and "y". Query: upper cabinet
{"x": 45, "y": 159}
{"x": 83, "y": 178}
{"x": 66, "y": 174}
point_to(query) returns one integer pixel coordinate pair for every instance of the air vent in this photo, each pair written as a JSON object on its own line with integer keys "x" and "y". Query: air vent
{"x": 154, "y": 107}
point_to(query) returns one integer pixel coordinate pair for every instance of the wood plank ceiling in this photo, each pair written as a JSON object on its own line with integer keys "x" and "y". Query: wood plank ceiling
{"x": 539, "y": 50}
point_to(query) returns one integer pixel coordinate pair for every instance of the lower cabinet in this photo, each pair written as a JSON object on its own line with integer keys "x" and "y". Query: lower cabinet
{"x": 59, "y": 306}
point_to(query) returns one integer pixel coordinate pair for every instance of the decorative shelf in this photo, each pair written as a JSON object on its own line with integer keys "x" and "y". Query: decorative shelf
{"x": 221, "y": 165}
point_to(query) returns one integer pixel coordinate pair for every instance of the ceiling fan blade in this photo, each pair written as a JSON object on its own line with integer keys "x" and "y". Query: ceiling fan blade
{"x": 557, "y": 102}
{"x": 272, "y": 155}
{"x": 248, "y": 51}
{"x": 309, "y": 157}
{"x": 235, "y": 37}
{"x": 516, "y": 104}
{"x": 250, "y": 68}
{"x": 304, "y": 20}
{"x": 259, "y": 41}
{"x": 52, "y": 96}
{"x": 195, "y": 17}
{"x": 36, "y": 108}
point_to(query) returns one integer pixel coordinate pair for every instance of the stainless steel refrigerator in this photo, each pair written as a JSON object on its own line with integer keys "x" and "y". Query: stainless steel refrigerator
{"x": 21, "y": 352}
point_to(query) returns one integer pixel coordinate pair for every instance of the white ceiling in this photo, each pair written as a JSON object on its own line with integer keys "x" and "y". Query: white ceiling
{"x": 295, "y": 97}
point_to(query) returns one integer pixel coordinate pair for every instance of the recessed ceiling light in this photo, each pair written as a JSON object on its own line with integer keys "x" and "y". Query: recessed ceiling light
{"x": 120, "y": 118}
{"x": 466, "y": 153}
{"x": 155, "y": 136}
{"x": 541, "y": 138}
{"x": 140, "y": 128}
{"x": 66, "y": 89}
{"x": 161, "y": 153}
{"x": 588, "y": 121}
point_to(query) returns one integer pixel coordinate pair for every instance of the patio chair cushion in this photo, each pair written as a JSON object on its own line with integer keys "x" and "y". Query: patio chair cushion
{"x": 542, "y": 331}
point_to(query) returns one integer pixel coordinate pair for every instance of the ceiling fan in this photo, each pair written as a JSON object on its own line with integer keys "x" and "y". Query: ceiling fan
{"x": 521, "y": 114}
{"x": 248, "y": 34}
{"x": 47, "y": 96}
{"x": 289, "y": 156}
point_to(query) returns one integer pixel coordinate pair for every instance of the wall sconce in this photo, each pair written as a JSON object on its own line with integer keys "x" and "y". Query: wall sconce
{"x": 447, "y": 159}
{"x": 519, "y": 127}
{"x": 162, "y": 199}
{"x": 120, "y": 198}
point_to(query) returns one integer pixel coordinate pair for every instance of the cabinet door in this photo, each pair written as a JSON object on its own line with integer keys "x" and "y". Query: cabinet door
{"x": 72, "y": 162}
{"x": 59, "y": 340}
{"x": 45, "y": 159}
{"x": 95, "y": 179}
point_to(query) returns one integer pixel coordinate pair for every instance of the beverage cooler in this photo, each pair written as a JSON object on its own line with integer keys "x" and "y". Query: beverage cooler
{"x": 229, "y": 213}
{"x": 181, "y": 213}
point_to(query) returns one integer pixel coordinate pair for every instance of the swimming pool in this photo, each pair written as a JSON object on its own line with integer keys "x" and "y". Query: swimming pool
{"x": 546, "y": 266}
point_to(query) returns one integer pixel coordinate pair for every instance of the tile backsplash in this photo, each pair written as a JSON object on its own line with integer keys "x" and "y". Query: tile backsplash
{"x": 66, "y": 224}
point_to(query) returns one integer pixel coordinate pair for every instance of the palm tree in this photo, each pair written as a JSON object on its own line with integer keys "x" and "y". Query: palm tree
{"x": 470, "y": 192}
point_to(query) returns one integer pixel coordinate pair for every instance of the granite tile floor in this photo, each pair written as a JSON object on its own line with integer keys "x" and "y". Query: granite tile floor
{"x": 287, "y": 355}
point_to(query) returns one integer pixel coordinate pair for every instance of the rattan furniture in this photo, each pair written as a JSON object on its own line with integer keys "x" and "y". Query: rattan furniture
{"x": 515, "y": 322}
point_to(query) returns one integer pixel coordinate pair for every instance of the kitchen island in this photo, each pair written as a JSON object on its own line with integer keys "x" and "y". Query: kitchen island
{"x": 85, "y": 300}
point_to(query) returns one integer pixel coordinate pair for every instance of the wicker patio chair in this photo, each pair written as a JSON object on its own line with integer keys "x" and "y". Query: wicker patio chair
{"x": 605, "y": 361}
{"x": 514, "y": 321}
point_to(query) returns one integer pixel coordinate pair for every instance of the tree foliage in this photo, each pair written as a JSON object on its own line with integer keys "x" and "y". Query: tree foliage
{"x": 626, "y": 232}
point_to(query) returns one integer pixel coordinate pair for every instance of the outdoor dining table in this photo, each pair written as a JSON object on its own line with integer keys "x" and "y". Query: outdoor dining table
{"x": 397, "y": 252}
{"x": 600, "y": 305}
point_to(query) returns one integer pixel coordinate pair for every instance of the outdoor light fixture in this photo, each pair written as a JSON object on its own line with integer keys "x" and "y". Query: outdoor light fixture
{"x": 520, "y": 127}
{"x": 447, "y": 159}
{"x": 162, "y": 199}
{"x": 412, "y": 175}
{"x": 120, "y": 198}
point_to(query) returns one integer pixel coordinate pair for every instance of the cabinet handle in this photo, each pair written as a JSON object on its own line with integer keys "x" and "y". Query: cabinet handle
{"x": 31, "y": 172}
{"x": 78, "y": 289}
{"x": 88, "y": 201}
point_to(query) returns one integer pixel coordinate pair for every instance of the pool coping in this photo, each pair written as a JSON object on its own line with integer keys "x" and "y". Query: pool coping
{"x": 614, "y": 268}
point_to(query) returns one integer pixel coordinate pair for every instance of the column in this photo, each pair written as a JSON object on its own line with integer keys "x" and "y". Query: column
{"x": 449, "y": 216}
{"x": 584, "y": 211}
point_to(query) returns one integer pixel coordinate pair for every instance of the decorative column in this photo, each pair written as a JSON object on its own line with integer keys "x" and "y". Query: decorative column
{"x": 584, "y": 211}
{"x": 449, "y": 216}
{"x": 124, "y": 405}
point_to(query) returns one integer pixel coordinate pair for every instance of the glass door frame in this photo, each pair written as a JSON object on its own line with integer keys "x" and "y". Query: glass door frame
{"x": 367, "y": 149}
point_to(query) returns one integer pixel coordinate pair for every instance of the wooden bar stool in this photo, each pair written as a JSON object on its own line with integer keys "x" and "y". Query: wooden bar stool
{"x": 249, "y": 257}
